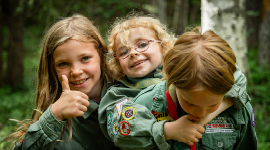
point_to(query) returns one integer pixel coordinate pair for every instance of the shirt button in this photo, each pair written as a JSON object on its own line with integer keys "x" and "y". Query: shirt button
{"x": 55, "y": 129}
{"x": 220, "y": 144}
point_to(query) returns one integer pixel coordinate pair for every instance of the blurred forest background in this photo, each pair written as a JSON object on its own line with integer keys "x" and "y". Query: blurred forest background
{"x": 23, "y": 23}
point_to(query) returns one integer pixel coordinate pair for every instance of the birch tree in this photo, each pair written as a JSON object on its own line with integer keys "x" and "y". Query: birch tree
{"x": 227, "y": 19}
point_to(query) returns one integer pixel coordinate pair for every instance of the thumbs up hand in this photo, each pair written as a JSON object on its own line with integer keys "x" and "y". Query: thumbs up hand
{"x": 70, "y": 104}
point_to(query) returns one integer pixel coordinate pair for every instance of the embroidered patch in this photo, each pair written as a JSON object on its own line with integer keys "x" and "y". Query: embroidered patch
{"x": 124, "y": 128}
{"x": 252, "y": 119}
{"x": 119, "y": 105}
{"x": 219, "y": 124}
{"x": 128, "y": 113}
{"x": 109, "y": 117}
{"x": 114, "y": 127}
{"x": 161, "y": 116}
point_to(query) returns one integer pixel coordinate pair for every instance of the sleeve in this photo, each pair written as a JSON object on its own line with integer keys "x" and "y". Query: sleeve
{"x": 238, "y": 92}
{"x": 248, "y": 138}
{"x": 43, "y": 133}
{"x": 130, "y": 126}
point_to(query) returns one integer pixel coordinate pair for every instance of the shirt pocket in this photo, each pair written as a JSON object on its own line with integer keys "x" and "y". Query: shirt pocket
{"x": 218, "y": 141}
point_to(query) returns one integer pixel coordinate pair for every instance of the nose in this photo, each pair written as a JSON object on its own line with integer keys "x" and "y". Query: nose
{"x": 200, "y": 112}
{"x": 133, "y": 52}
{"x": 76, "y": 70}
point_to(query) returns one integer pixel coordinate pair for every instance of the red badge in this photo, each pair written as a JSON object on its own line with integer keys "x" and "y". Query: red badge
{"x": 124, "y": 128}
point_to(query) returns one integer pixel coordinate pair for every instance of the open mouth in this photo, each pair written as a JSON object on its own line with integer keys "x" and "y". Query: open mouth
{"x": 137, "y": 63}
{"x": 79, "y": 82}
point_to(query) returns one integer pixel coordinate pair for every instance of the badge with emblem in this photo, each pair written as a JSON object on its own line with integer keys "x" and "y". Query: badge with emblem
{"x": 124, "y": 128}
{"x": 128, "y": 113}
{"x": 109, "y": 117}
{"x": 114, "y": 127}
{"x": 119, "y": 105}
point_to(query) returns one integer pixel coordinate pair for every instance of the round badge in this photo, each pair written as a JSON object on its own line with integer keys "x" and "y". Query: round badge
{"x": 109, "y": 117}
{"x": 114, "y": 127}
{"x": 128, "y": 113}
{"x": 124, "y": 128}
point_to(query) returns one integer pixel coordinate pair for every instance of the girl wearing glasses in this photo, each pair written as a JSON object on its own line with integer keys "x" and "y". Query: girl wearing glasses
{"x": 138, "y": 45}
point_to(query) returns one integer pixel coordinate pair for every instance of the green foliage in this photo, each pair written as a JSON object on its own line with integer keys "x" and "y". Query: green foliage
{"x": 260, "y": 95}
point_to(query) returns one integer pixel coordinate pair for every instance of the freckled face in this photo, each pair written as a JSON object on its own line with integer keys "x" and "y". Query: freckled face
{"x": 198, "y": 103}
{"x": 80, "y": 62}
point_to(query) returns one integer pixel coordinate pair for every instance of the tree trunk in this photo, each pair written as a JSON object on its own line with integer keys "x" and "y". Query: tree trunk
{"x": 162, "y": 4}
{"x": 180, "y": 19}
{"x": 14, "y": 76}
{"x": 227, "y": 19}
{"x": 264, "y": 36}
{"x": 253, "y": 19}
{"x": 1, "y": 46}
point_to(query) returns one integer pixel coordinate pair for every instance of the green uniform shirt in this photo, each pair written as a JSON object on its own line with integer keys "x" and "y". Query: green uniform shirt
{"x": 86, "y": 133}
{"x": 125, "y": 113}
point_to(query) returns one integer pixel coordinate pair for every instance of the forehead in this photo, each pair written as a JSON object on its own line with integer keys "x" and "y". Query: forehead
{"x": 202, "y": 97}
{"x": 130, "y": 36}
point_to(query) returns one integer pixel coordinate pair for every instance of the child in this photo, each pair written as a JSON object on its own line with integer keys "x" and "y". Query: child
{"x": 200, "y": 89}
{"x": 139, "y": 45}
{"x": 72, "y": 78}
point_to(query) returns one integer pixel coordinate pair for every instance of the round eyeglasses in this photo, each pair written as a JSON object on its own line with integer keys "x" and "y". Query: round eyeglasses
{"x": 140, "y": 46}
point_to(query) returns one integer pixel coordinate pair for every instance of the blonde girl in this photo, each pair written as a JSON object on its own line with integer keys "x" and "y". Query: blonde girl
{"x": 72, "y": 77}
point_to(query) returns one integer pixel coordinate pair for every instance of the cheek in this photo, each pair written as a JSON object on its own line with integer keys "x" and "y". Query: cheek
{"x": 212, "y": 109}
{"x": 186, "y": 107}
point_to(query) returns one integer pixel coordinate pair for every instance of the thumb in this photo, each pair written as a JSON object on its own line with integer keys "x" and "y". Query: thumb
{"x": 65, "y": 85}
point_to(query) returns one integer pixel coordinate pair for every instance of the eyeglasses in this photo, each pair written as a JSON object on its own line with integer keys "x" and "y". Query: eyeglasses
{"x": 139, "y": 46}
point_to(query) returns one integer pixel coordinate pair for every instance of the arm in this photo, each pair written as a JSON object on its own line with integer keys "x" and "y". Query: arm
{"x": 225, "y": 104}
{"x": 43, "y": 133}
{"x": 238, "y": 92}
{"x": 145, "y": 132}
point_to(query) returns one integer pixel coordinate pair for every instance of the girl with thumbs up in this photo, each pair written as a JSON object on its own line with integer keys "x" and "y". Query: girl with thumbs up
{"x": 72, "y": 77}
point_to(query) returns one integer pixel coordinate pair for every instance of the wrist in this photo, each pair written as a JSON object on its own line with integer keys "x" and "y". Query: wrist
{"x": 167, "y": 127}
{"x": 55, "y": 114}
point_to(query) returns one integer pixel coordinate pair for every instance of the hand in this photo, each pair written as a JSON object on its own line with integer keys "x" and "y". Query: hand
{"x": 70, "y": 104}
{"x": 184, "y": 130}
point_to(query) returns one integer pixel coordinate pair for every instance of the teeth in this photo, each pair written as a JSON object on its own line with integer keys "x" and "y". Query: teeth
{"x": 138, "y": 63}
{"x": 79, "y": 82}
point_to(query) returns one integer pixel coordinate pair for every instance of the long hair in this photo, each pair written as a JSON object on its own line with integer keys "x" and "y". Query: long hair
{"x": 49, "y": 89}
{"x": 123, "y": 25}
{"x": 200, "y": 60}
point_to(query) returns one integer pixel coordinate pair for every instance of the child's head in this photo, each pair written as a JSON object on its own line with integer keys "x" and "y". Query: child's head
{"x": 201, "y": 67}
{"x": 138, "y": 44}
{"x": 76, "y": 29}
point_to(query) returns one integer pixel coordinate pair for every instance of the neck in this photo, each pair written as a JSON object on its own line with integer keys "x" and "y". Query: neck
{"x": 95, "y": 94}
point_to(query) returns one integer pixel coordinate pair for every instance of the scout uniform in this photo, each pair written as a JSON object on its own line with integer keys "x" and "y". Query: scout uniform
{"x": 125, "y": 118}
{"x": 233, "y": 129}
{"x": 86, "y": 134}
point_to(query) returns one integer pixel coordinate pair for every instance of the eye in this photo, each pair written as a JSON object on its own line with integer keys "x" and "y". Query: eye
{"x": 85, "y": 58}
{"x": 123, "y": 51}
{"x": 142, "y": 44}
{"x": 62, "y": 64}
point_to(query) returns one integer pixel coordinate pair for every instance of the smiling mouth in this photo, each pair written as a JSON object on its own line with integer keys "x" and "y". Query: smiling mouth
{"x": 79, "y": 82}
{"x": 138, "y": 63}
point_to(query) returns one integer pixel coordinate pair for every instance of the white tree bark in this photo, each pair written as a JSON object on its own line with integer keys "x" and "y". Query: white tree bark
{"x": 227, "y": 19}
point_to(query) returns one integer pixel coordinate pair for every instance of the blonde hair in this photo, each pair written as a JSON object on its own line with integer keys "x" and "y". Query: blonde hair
{"x": 49, "y": 89}
{"x": 200, "y": 60}
{"x": 135, "y": 20}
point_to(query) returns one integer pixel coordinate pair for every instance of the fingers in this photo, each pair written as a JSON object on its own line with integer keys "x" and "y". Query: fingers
{"x": 65, "y": 84}
{"x": 200, "y": 128}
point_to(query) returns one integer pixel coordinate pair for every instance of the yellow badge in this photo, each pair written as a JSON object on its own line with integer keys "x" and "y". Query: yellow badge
{"x": 128, "y": 113}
